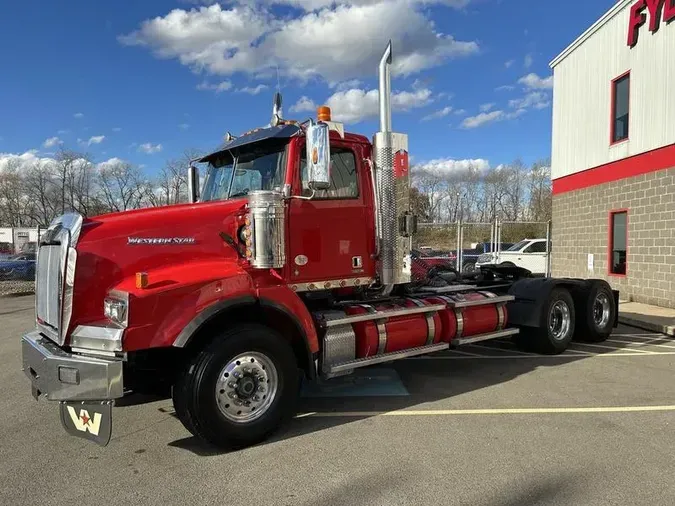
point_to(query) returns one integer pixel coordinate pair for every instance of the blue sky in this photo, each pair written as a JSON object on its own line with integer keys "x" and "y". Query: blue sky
{"x": 144, "y": 80}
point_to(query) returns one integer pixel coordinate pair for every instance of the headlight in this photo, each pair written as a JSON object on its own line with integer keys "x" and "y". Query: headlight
{"x": 117, "y": 309}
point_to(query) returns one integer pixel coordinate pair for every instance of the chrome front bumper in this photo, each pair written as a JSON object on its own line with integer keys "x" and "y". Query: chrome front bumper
{"x": 62, "y": 376}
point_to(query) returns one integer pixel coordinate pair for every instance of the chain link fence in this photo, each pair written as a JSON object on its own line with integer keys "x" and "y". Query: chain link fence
{"x": 524, "y": 244}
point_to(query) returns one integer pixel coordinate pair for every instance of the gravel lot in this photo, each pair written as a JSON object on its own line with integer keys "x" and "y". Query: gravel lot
{"x": 16, "y": 287}
{"x": 458, "y": 439}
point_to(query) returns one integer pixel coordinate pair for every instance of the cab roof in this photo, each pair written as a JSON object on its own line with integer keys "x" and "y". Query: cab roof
{"x": 278, "y": 132}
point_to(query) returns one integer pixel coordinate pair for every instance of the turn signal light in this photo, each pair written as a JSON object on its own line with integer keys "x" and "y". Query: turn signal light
{"x": 323, "y": 113}
{"x": 141, "y": 280}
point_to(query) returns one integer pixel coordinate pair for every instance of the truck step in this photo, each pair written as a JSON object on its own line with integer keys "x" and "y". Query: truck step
{"x": 484, "y": 337}
{"x": 385, "y": 357}
{"x": 501, "y": 299}
{"x": 447, "y": 289}
{"x": 383, "y": 315}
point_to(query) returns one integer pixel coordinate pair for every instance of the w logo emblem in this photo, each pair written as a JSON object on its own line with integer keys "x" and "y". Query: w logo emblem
{"x": 90, "y": 420}
{"x": 84, "y": 422}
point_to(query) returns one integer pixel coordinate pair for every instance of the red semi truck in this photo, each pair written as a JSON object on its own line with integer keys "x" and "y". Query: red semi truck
{"x": 293, "y": 262}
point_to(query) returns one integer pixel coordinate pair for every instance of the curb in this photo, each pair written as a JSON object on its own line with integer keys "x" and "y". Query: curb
{"x": 642, "y": 324}
{"x": 17, "y": 294}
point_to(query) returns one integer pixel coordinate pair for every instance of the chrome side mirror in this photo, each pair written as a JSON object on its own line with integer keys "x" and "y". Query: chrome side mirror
{"x": 318, "y": 156}
{"x": 193, "y": 184}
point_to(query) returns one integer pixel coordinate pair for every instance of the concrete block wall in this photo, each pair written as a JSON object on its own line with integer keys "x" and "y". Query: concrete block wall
{"x": 581, "y": 227}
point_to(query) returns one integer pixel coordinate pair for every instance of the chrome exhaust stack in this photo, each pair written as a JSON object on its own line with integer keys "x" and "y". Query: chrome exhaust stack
{"x": 395, "y": 223}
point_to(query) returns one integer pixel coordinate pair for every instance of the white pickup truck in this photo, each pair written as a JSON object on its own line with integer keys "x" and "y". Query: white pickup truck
{"x": 529, "y": 254}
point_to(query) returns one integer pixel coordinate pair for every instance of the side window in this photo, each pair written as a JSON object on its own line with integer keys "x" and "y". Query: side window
{"x": 537, "y": 247}
{"x": 343, "y": 177}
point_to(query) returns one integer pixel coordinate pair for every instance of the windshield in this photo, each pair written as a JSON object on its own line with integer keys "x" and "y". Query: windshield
{"x": 251, "y": 167}
{"x": 518, "y": 246}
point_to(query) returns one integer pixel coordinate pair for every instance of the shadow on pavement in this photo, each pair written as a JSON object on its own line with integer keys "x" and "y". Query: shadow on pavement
{"x": 425, "y": 380}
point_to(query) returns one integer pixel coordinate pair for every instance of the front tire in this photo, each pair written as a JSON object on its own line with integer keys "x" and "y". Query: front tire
{"x": 239, "y": 389}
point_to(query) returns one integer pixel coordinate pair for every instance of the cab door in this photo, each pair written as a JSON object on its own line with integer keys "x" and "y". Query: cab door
{"x": 331, "y": 235}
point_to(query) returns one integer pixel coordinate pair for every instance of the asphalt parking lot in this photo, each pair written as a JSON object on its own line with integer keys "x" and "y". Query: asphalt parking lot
{"x": 486, "y": 425}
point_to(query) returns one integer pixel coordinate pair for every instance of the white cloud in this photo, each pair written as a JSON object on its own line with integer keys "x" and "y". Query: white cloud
{"x": 535, "y": 99}
{"x": 51, "y": 142}
{"x": 509, "y": 63}
{"x": 506, "y": 87}
{"x": 305, "y": 104}
{"x": 347, "y": 85}
{"x": 96, "y": 139}
{"x": 482, "y": 119}
{"x": 487, "y": 107}
{"x": 438, "y": 114}
{"x": 218, "y": 88}
{"x": 459, "y": 112}
{"x": 78, "y": 115}
{"x": 149, "y": 148}
{"x": 22, "y": 161}
{"x": 63, "y": 132}
{"x": 334, "y": 43}
{"x": 529, "y": 60}
{"x": 110, "y": 163}
{"x": 534, "y": 82}
{"x": 253, "y": 90}
{"x": 449, "y": 166}
{"x": 352, "y": 106}
{"x": 183, "y": 126}
{"x": 116, "y": 129}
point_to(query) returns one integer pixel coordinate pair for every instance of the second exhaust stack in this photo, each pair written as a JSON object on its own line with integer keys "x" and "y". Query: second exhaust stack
{"x": 390, "y": 155}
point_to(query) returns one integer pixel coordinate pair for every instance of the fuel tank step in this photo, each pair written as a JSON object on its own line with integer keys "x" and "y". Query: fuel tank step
{"x": 484, "y": 337}
{"x": 386, "y": 357}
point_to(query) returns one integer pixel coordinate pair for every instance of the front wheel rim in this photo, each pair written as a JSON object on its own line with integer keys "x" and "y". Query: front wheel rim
{"x": 246, "y": 387}
{"x": 601, "y": 310}
{"x": 559, "y": 320}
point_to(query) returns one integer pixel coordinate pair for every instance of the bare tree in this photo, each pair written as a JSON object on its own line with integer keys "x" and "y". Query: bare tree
{"x": 41, "y": 189}
{"x": 118, "y": 183}
{"x": 12, "y": 200}
{"x": 172, "y": 180}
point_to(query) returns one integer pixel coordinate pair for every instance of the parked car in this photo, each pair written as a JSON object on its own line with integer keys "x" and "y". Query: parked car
{"x": 18, "y": 267}
{"x": 6, "y": 250}
{"x": 529, "y": 254}
{"x": 470, "y": 256}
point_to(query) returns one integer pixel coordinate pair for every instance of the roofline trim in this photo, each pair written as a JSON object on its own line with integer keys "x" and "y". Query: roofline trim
{"x": 617, "y": 8}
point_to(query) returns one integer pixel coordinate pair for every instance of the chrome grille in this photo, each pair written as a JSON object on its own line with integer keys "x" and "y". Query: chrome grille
{"x": 485, "y": 257}
{"x": 49, "y": 285}
{"x": 53, "y": 292}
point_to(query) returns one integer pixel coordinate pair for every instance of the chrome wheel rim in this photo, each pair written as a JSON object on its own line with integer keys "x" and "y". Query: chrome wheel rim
{"x": 246, "y": 387}
{"x": 601, "y": 310}
{"x": 559, "y": 320}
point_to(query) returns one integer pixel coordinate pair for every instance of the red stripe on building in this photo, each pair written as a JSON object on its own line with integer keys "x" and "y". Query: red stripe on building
{"x": 651, "y": 161}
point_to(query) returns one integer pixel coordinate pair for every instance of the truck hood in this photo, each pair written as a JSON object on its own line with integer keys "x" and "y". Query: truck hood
{"x": 114, "y": 247}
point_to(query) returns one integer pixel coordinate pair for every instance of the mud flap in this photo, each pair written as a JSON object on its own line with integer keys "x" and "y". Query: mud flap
{"x": 91, "y": 420}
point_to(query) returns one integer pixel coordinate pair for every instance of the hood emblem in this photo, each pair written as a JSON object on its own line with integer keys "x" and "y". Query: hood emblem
{"x": 161, "y": 240}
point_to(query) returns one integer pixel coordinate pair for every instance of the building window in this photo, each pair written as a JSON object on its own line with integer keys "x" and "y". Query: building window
{"x": 620, "y": 108}
{"x": 618, "y": 242}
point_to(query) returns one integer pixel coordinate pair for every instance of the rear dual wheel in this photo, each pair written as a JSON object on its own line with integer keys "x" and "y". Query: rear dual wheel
{"x": 596, "y": 309}
{"x": 557, "y": 324}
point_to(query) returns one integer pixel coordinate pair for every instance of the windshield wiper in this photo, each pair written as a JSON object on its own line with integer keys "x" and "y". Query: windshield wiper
{"x": 240, "y": 194}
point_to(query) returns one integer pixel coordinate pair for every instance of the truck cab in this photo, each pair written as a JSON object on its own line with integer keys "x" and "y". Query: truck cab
{"x": 329, "y": 231}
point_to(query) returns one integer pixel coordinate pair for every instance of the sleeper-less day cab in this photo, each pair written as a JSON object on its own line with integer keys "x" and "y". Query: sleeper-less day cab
{"x": 294, "y": 262}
